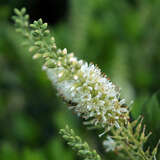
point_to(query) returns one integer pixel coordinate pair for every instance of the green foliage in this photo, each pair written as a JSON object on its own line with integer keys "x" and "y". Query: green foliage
{"x": 131, "y": 140}
{"x": 149, "y": 107}
{"x": 8, "y": 151}
{"x": 57, "y": 150}
{"x": 33, "y": 155}
{"x": 80, "y": 147}
{"x": 151, "y": 110}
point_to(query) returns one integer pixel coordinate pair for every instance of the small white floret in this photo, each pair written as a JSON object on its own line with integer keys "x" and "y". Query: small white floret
{"x": 64, "y": 51}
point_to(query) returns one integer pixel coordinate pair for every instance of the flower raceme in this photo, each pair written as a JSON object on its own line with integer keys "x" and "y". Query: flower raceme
{"x": 88, "y": 92}
{"x": 91, "y": 94}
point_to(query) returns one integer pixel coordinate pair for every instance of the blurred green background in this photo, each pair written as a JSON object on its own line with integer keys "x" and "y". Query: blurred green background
{"x": 121, "y": 37}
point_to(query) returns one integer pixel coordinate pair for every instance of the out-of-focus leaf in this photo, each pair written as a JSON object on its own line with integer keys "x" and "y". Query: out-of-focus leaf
{"x": 56, "y": 150}
{"x": 151, "y": 111}
{"x": 29, "y": 154}
{"x": 4, "y": 12}
{"x": 8, "y": 152}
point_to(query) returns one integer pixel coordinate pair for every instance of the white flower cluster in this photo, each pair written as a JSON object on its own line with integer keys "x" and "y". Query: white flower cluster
{"x": 92, "y": 95}
{"x": 110, "y": 144}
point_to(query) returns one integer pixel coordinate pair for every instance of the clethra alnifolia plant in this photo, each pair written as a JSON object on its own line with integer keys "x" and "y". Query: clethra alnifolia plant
{"x": 88, "y": 92}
